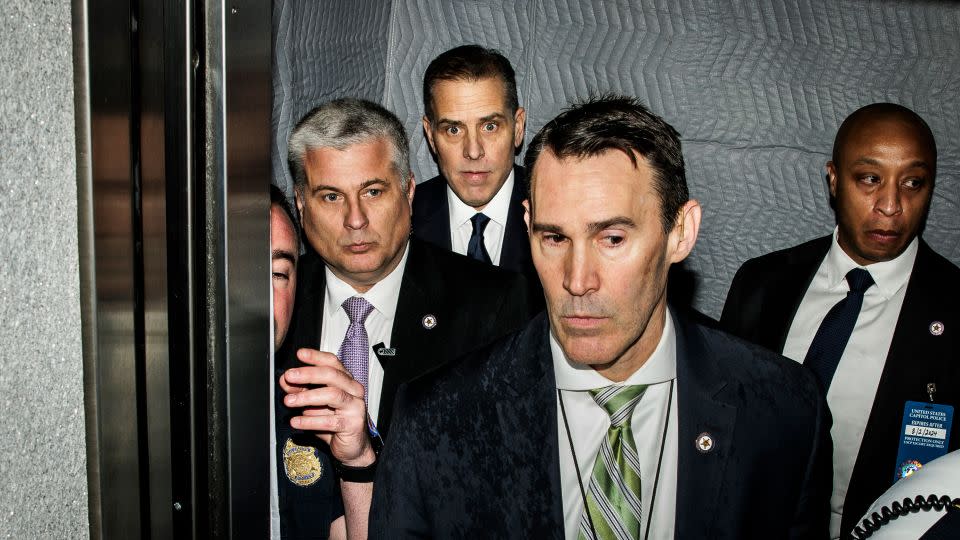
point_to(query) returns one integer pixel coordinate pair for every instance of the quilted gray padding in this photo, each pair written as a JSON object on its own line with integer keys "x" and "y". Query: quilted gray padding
{"x": 756, "y": 89}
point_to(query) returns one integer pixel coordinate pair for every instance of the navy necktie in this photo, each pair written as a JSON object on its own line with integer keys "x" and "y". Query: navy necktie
{"x": 834, "y": 332}
{"x": 476, "y": 249}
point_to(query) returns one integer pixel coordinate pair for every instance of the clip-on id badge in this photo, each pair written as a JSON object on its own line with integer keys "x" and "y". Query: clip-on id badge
{"x": 924, "y": 436}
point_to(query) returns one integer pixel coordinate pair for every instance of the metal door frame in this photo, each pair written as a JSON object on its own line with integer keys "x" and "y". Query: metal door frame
{"x": 172, "y": 104}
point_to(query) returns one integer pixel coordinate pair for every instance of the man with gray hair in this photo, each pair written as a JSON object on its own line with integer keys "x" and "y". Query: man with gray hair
{"x": 374, "y": 309}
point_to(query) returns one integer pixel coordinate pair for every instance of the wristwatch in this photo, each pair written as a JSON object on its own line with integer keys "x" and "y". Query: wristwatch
{"x": 356, "y": 474}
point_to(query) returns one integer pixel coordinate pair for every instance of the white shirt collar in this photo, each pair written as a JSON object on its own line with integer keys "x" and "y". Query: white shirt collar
{"x": 660, "y": 367}
{"x": 889, "y": 276}
{"x": 497, "y": 209}
{"x": 383, "y": 295}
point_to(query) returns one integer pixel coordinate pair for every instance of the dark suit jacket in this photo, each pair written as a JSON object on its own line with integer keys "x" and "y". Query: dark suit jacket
{"x": 765, "y": 296}
{"x": 431, "y": 222}
{"x": 473, "y": 304}
{"x": 476, "y": 451}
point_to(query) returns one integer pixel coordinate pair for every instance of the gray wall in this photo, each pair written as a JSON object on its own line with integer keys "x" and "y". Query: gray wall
{"x": 756, "y": 89}
{"x": 43, "y": 484}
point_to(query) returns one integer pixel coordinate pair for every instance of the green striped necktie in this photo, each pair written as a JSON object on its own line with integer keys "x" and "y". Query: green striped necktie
{"x": 613, "y": 498}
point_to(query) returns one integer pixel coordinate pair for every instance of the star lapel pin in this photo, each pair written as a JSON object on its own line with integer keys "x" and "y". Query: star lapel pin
{"x": 704, "y": 442}
{"x": 429, "y": 321}
{"x": 936, "y": 328}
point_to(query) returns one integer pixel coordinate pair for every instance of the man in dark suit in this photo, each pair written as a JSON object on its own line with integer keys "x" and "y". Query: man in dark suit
{"x": 610, "y": 415}
{"x": 474, "y": 125}
{"x": 902, "y": 343}
{"x": 374, "y": 309}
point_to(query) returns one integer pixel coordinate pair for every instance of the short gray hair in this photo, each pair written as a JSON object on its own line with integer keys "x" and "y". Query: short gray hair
{"x": 343, "y": 122}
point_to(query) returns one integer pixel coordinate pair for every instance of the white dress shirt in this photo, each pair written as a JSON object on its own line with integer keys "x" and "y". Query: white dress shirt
{"x": 379, "y": 324}
{"x": 461, "y": 228}
{"x": 335, "y": 321}
{"x": 855, "y": 382}
{"x": 589, "y": 424}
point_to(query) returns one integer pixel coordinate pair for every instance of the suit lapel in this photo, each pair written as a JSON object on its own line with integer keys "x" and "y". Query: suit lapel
{"x": 791, "y": 283}
{"x": 701, "y": 410}
{"x": 435, "y": 226}
{"x": 516, "y": 245}
{"x": 410, "y": 338}
{"x": 527, "y": 414}
{"x": 305, "y": 328}
{"x": 914, "y": 359}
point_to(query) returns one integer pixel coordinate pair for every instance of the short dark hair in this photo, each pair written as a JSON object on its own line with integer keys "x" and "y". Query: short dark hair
{"x": 344, "y": 122}
{"x": 469, "y": 62}
{"x": 613, "y": 122}
{"x": 278, "y": 198}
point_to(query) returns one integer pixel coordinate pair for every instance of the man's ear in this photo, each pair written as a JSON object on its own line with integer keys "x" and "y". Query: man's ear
{"x": 832, "y": 179}
{"x": 526, "y": 213}
{"x": 428, "y": 131}
{"x": 684, "y": 234}
{"x": 519, "y": 124}
{"x": 411, "y": 187}
{"x": 298, "y": 198}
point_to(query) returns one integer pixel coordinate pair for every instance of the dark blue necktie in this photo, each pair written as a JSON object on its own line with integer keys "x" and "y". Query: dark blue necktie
{"x": 476, "y": 249}
{"x": 834, "y": 332}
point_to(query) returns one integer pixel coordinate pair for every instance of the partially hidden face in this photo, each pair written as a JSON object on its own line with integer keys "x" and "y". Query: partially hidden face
{"x": 881, "y": 188}
{"x": 602, "y": 255}
{"x": 283, "y": 248}
{"x": 354, "y": 210}
{"x": 474, "y": 136}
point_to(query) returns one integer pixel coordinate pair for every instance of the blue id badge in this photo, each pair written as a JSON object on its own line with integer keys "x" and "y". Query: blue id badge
{"x": 924, "y": 436}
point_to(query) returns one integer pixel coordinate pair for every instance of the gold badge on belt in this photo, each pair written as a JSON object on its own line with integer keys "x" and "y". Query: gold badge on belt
{"x": 301, "y": 464}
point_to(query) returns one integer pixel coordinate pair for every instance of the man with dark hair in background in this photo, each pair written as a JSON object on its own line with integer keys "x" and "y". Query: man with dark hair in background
{"x": 611, "y": 415}
{"x": 871, "y": 309}
{"x": 374, "y": 309}
{"x": 474, "y": 124}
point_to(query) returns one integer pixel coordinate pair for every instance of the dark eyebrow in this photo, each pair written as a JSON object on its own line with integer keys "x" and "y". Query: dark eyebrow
{"x": 318, "y": 189}
{"x": 546, "y": 227}
{"x": 921, "y": 164}
{"x": 373, "y": 182}
{"x": 621, "y": 221}
{"x": 365, "y": 184}
{"x": 284, "y": 254}
{"x": 592, "y": 228}
{"x": 448, "y": 122}
{"x": 494, "y": 116}
{"x": 870, "y": 161}
{"x": 867, "y": 161}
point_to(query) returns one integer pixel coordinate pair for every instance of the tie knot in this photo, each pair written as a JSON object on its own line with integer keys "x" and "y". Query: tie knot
{"x": 618, "y": 401}
{"x": 479, "y": 221}
{"x": 859, "y": 280}
{"x": 357, "y": 309}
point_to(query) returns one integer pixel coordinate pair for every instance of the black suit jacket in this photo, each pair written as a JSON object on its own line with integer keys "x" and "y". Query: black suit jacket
{"x": 476, "y": 453}
{"x": 472, "y": 303}
{"x": 763, "y": 299}
{"x": 431, "y": 222}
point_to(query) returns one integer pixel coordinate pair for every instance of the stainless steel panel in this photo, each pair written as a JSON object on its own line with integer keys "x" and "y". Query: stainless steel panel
{"x": 173, "y": 175}
{"x": 108, "y": 266}
{"x": 86, "y": 243}
{"x": 155, "y": 179}
{"x": 247, "y": 37}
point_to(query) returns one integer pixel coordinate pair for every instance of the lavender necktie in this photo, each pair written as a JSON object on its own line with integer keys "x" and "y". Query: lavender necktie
{"x": 354, "y": 351}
